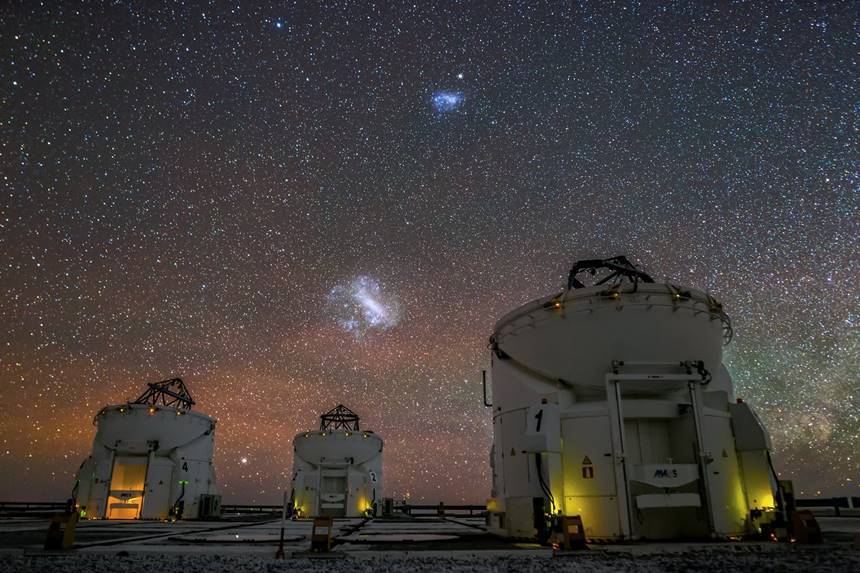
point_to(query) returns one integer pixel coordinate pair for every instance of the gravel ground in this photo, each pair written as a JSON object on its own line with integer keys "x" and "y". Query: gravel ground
{"x": 820, "y": 559}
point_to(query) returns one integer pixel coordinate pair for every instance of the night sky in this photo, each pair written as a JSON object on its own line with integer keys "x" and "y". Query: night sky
{"x": 296, "y": 206}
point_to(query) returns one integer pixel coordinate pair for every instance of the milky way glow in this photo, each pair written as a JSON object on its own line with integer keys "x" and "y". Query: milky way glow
{"x": 447, "y": 101}
{"x": 360, "y": 306}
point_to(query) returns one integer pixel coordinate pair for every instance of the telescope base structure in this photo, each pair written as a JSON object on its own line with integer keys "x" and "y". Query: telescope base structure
{"x": 337, "y": 473}
{"x": 149, "y": 462}
{"x": 611, "y": 403}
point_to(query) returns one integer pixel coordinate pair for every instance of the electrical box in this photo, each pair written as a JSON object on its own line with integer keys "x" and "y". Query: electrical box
{"x": 210, "y": 506}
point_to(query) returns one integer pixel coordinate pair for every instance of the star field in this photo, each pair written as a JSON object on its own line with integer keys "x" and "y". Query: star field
{"x": 184, "y": 185}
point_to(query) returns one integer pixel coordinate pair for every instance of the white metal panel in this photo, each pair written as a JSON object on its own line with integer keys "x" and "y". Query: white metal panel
{"x": 518, "y": 464}
{"x": 579, "y": 343}
{"x": 589, "y": 464}
{"x": 665, "y": 475}
{"x": 750, "y": 434}
{"x": 156, "y": 500}
{"x": 660, "y": 500}
{"x": 543, "y": 429}
{"x": 589, "y": 472}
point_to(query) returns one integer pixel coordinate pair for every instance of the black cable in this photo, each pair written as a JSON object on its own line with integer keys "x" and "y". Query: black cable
{"x": 547, "y": 492}
{"x": 177, "y": 512}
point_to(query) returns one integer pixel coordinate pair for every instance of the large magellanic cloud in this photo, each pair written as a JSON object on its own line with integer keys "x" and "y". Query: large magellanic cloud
{"x": 361, "y": 306}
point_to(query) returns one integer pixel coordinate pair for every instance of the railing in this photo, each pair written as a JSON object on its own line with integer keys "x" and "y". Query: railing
{"x": 442, "y": 509}
{"x": 12, "y": 508}
{"x": 246, "y": 508}
{"x": 408, "y": 509}
{"x": 836, "y": 503}
{"x": 8, "y": 508}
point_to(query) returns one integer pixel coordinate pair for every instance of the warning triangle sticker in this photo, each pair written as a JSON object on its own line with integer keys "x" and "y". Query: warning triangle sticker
{"x": 586, "y": 461}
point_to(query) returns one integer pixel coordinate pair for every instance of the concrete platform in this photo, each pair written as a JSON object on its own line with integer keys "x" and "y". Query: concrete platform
{"x": 416, "y": 545}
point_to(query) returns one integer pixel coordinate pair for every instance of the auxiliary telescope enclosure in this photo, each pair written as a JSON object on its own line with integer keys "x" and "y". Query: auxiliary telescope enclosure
{"x": 610, "y": 401}
{"x": 151, "y": 459}
{"x": 337, "y": 470}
